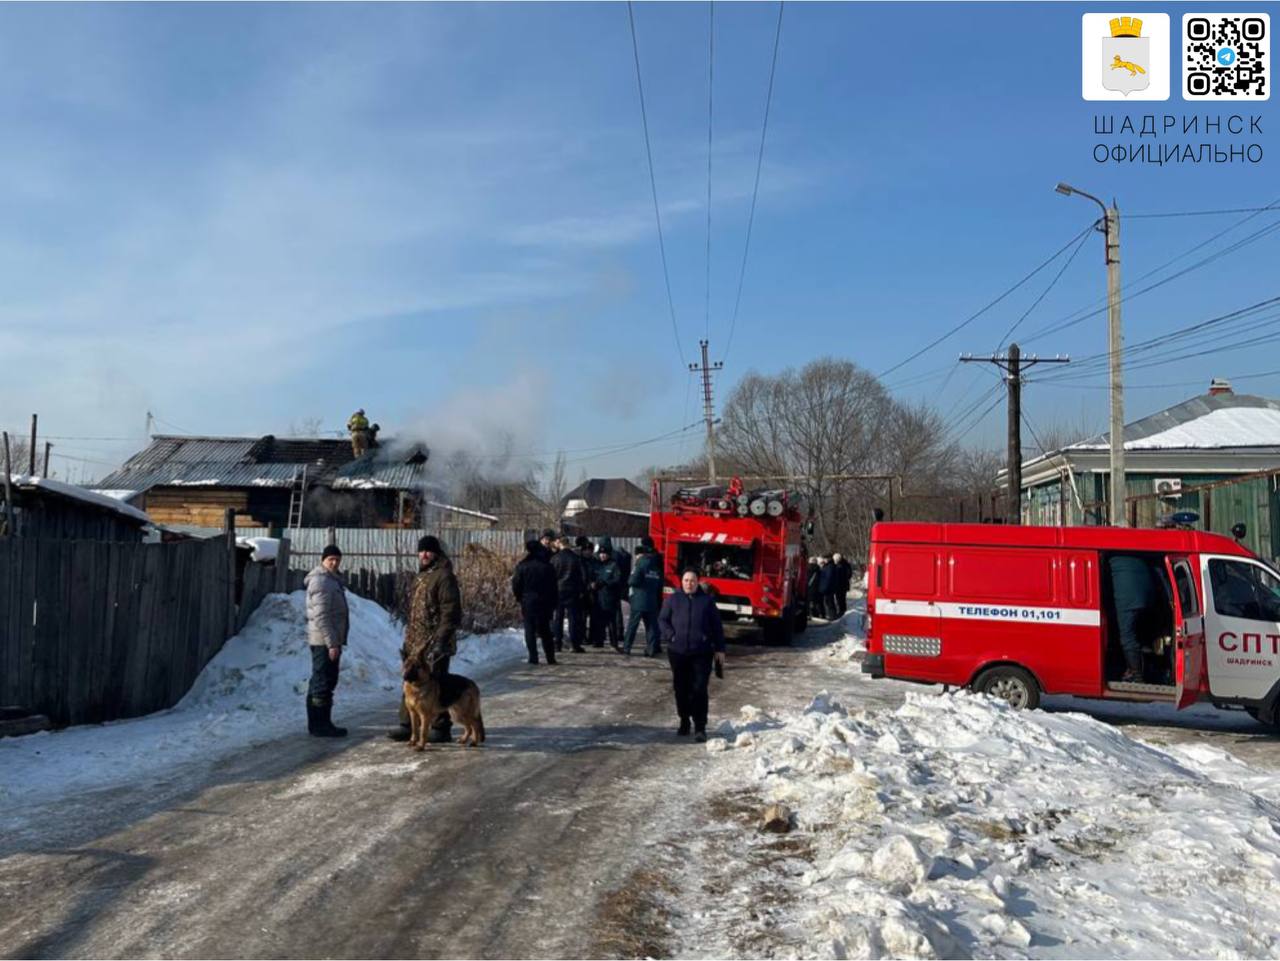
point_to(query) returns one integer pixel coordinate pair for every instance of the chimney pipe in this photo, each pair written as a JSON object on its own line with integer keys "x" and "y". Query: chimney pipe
{"x": 1219, "y": 386}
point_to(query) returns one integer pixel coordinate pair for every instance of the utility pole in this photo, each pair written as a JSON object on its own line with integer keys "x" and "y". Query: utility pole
{"x": 45, "y": 472}
{"x": 1110, "y": 227}
{"x": 1013, "y": 364}
{"x": 706, "y": 369}
{"x": 31, "y": 451}
{"x": 1115, "y": 347}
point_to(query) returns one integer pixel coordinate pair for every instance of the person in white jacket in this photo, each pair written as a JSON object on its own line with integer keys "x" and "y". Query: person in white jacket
{"x": 328, "y": 622}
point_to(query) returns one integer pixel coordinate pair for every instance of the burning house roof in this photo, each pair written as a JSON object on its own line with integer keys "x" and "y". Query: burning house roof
{"x": 268, "y": 461}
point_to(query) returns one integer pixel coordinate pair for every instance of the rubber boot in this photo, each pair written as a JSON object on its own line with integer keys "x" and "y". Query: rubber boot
{"x": 400, "y": 732}
{"x": 318, "y": 723}
{"x": 330, "y": 729}
{"x": 684, "y": 728}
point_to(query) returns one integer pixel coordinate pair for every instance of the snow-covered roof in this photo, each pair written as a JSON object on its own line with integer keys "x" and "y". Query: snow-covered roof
{"x": 81, "y": 494}
{"x": 1228, "y": 427}
{"x": 1211, "y": 421}
{"x": 120, "y": 495}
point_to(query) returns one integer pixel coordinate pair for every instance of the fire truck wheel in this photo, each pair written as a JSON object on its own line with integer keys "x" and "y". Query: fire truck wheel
{"x": 778, "y": 630}
{"x": 1012, "y": 684}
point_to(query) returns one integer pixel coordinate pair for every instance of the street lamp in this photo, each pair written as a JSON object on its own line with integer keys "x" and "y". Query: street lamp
{"x": 1111, "y": 230}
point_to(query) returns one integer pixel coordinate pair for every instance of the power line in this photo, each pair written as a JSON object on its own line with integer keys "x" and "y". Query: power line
{"x": 171, "y": 424}
{"x": 653, "y": 183}
{"x": 1092, "y": 362}
{"x": 981, "y": 417}
{"x": 1197, "y": 213}
{"x": 1092, "y": 310}
{"x": 1044, "y": 293}
{"x": 1257, "y": 375}
{"x": 711, "y": 86}
{"x": 974, "y": 316}
{"x": 755, "y": 190}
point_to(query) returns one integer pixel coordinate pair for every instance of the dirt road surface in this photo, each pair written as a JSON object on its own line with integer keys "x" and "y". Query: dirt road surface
{"x": 544, "y": 843}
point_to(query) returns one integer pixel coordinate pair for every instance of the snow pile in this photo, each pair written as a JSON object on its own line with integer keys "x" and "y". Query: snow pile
{"x": 251, "y": 692}
{"x": 955, "y": 827}
{"x": 264, "y": 548}
{"x": 851, "y": 644}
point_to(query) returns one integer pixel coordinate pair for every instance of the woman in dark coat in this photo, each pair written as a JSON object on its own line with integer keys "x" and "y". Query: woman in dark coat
{"x": 691, "y": 629}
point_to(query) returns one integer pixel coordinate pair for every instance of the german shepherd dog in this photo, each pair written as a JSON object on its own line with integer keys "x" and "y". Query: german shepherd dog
{"x": 425, "y": 697}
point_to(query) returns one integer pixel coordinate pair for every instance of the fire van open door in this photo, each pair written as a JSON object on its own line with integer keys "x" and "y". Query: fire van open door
{"x": 1188, "y": 633}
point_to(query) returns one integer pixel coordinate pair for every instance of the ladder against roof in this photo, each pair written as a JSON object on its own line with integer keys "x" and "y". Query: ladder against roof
{"x": 296, "y": 496}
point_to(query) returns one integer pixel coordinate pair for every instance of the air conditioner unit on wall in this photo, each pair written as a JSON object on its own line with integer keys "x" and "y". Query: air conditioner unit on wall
{"x": 1167, "y": 486}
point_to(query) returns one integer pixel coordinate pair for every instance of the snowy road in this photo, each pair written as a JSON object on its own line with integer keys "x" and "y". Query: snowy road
{"x": 305, "y": 848}
{"x": 584, "y": 828}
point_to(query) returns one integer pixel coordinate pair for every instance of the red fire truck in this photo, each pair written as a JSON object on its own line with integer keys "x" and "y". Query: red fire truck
{"x": 748, "y": 547}
{"x": 1022, "y": 611}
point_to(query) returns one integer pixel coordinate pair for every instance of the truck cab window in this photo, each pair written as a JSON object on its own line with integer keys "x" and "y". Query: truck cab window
{"x": 1244, "y": 590}
{"x": 717, "y": 560}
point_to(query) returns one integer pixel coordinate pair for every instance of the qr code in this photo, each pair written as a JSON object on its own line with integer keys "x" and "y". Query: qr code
{"x": 1226, "y": 56}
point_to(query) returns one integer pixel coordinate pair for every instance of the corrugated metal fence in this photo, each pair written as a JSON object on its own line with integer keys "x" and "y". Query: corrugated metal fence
{"x": 383, "y": 551}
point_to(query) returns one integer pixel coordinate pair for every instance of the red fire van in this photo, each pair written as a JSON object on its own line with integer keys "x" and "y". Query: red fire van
{"x": 1022, "y": 611}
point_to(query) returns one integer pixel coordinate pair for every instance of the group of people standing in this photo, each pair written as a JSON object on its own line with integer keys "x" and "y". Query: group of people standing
{"x": 559, "y": 582}
{"x": 430, "y": 636}
{"x": 570, "y": 581}
{"x": 829, "y": 581}
{"x": 571, "y": 590}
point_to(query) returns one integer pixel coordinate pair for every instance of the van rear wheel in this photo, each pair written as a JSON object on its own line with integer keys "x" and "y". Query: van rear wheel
{"x": 1268, "y": 720}
{"x": 1012, "y": 684}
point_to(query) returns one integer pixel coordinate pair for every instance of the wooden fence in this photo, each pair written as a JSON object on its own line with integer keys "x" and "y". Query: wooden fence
{"x": 93, "y": 631}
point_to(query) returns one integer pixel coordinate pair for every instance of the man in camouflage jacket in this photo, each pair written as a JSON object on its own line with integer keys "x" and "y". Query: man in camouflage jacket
{"x": 431, "y": 636}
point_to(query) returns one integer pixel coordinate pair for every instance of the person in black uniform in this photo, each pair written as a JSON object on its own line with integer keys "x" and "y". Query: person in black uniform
{"x": 536, "y": 589}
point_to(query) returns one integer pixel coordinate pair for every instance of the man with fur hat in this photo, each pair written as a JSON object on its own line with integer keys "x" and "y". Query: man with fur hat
{"x": 431, "y": 636}
{"x": 536, "y": 589}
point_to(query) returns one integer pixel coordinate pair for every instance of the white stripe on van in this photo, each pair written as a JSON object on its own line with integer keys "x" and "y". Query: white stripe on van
{"x": 991, "y": 612}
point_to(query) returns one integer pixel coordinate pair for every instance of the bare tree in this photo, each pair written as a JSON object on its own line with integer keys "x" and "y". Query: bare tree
{"x": 557, "y": 489}
{"x": 1062, "y": 432}
{"x": 307, "y": 427}
{"x": 815, "y": 427}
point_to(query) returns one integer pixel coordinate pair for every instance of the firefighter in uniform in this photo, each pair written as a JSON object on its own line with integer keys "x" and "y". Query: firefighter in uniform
{"x": 358, "y": 424}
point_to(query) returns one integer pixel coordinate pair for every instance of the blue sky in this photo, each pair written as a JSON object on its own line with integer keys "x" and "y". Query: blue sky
{"x": 243, "y": 216}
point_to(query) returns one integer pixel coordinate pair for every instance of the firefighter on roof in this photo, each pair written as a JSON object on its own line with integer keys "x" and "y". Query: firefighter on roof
{"x": 358, "y": 424}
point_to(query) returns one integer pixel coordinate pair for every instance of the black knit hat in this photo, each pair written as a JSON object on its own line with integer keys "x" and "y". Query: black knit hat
{"x": 646, "y": 543}
{"x": 429, "y": 543}
{"x": 330, "y": 551}
{"x": 533, "y": 547}
{"x": 549, "y": 534}
{"x": 582, "y": 541}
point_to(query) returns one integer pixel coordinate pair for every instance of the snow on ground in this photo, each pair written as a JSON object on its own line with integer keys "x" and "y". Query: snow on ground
{"x": 251, "y": 692}
{"x": 955, "y": 826}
